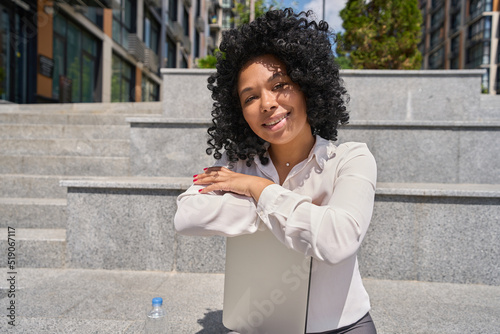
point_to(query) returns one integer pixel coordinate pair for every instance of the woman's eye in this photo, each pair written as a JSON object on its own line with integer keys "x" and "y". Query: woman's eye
{"x": 279, "y": 86}
{"x": 249, "y": 99}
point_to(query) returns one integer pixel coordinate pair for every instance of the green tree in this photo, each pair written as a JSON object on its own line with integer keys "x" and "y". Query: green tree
{"x": 381, "y": 34}
{"x": 209, "y": 61}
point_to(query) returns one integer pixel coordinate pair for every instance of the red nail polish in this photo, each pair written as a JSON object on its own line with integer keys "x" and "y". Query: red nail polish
{"x": 195, "y": 180}
{"x": 200, "y": 190}
{"x": 195, "y": 175}
{"x": 205, "y": 168}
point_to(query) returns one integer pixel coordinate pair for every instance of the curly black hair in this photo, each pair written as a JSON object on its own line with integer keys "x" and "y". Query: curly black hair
{"x": 305, "y": 47}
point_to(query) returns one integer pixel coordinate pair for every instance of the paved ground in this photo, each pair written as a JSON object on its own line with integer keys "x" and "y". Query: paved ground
{"x": 102, "y": 301}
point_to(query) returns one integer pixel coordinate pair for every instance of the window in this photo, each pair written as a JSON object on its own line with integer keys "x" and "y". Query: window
{"x": 197, "y": 44}
{"x": 151, "y": 32}
{"x": 94, "y": 14}
{"x": 435, "y": 38}
{"x": 122, "y": 82}
{"x": 226, "y": 19}
{"x": 123, "y": 21}
{"x": 185, "y": 22}
{"x": 150, "y": 89}
{"x": 485, "y": 82}
{"x": 497, "y": 84}
{"x": 172, "y": 10}
{"x": 475, "y": 8}
{"x": 478, "y": 54}
{"x": 4, "y": 55}
{"x": 480, "y": 30}
{"x": 437, "y": 18}
{"x": 171, "y": 53}
{"x": 76, "y": 56}
{"x": 455, "y": 22}
{"x": 454, "y": 53}
{"x": 436, "y": 59}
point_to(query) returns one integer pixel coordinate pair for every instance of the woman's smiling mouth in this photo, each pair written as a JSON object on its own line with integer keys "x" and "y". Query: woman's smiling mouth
{"x": 270, "y": 124}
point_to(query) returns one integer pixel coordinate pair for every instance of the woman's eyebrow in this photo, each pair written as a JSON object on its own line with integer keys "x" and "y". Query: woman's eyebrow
{"x": 271, "y": 78}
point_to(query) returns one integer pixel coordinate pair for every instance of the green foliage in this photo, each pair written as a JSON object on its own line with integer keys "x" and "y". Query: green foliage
{"x": 381, "y": 34}
{"x": 242, "y": 10}
{"x": 209, "y": 61}
{"x": 344, "y": 62}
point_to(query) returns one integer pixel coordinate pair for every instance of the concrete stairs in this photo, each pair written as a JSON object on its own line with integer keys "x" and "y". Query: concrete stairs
{"x": 435, "y": 139}
{"x": 40, "y": 145}
{"x": 437, "y": 205}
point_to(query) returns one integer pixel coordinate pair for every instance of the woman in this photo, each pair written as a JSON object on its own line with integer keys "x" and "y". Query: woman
{"x": 278, "y": 102}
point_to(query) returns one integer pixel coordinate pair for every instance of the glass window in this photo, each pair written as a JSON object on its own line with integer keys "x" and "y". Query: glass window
{"x": 436, "y": 59}
{"x": 123, "y": 21}
{"x": 76, "y": 57}
{"x": 172, "y": 10}
{"x": 4, "y": 55}
{"x": 185, "y": 22}
{"x": 485, "y": 82}
{"x": 150, "y": 89}
{"x": 151, "y": 32}
{"x": 197, "y": 44}
{"x": 122, "y": 81}
{"x": 171, "y": 53}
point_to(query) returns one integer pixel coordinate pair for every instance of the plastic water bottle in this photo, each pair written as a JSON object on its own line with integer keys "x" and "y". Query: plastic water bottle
{"x": 156, "y": 322}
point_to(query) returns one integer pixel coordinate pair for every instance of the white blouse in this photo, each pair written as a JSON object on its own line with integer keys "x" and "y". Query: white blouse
{"x": 323, "y": 210}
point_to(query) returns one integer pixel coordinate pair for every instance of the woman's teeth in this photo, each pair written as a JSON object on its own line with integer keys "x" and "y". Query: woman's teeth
{"x": 276, "y": 121}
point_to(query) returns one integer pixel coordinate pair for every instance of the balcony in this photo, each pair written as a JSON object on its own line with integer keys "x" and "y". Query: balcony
{"x": 151, "y": 60}
{"x": 200, "y": 24}
{"x": 154, "y": 3}
{"x": 186, "y": 44}
{"x": 210, "y": 43}
{"x": 136, "y": 47}
{"x": 175, "y": 30}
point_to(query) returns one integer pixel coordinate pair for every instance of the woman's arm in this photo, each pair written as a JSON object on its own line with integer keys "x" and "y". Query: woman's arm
{"x": 331, "y": 232}
{"x": 221, "y": 202}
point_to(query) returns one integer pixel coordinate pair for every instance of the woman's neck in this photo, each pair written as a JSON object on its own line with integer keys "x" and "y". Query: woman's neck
{"x": 290, "y": 154}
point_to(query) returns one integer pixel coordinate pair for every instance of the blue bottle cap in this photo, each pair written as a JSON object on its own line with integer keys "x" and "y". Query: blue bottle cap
{"x": 157, "y": 301}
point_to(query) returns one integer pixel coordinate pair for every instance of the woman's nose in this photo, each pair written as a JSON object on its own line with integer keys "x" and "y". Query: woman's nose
{"x": 268, "y": 101}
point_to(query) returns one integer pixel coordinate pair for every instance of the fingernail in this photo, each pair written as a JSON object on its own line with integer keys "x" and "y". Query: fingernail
{"x": 205, "y": 168}
{"x": 195, "y": 180}
{"x": 200, "y": 190}
{"x": 195, "y": 175}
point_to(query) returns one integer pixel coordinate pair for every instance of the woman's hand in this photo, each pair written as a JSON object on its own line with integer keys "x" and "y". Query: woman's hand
{"x": 221, "y": 178}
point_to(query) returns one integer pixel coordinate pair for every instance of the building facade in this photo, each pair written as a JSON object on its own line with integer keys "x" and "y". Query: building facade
{"x": 103, "y": 51}
{"x": 462, "y": 34}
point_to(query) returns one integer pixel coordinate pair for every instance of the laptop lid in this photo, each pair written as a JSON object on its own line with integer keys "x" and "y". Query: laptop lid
{"x": 266, "y": 286}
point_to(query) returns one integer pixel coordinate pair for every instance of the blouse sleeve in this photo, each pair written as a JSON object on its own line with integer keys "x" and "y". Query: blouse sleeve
{"x": 216, "y": 213}
{"x": 331, "y": 232}
{"x": 224, "y": 214}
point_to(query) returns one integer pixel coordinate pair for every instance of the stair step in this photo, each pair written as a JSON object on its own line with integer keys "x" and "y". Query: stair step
{"x": 54, "y": 131}
{"x": 36, "y": 248}
{"x": 33, "y": 212}
{"x": 31, "y": 186}
{"x": 145, "y": 108}
{"x": 72, "y": 118}
{"x": 433, "y": 232}
{"x": 65, "y": 147}
{"x": 65, "y": 165}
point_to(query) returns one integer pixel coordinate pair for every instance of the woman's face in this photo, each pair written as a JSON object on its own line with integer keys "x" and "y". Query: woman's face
{"x": 273, "y": 105}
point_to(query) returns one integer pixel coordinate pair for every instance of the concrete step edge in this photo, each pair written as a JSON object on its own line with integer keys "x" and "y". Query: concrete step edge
{"x": 34, "y": 234}
{"x": 32, "y": 201}
{"x": 403, "y": 189}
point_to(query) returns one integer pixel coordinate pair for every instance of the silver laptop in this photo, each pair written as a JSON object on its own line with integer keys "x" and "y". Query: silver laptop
{"x": 266, "y": 286}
